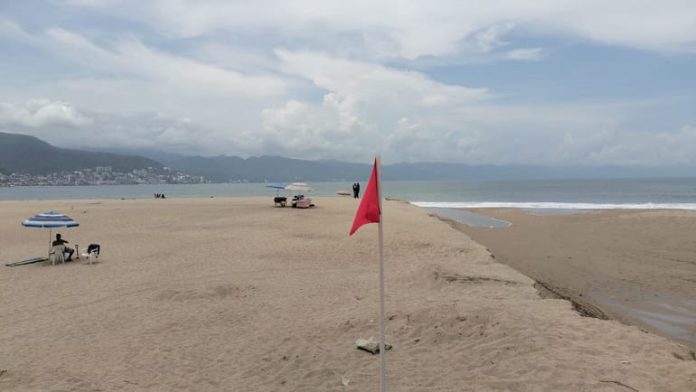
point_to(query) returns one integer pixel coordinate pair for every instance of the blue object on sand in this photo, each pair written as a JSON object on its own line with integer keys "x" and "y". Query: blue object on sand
{"x": 27, "y": 261}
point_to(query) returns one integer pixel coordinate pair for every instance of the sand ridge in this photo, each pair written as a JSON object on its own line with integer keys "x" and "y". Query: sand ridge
{"x": 234, "y": 294}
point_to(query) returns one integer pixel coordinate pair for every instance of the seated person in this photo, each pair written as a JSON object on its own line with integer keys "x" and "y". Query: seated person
{"x": 61, "y": 241}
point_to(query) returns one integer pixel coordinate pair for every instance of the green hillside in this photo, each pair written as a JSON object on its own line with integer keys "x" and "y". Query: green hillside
{"x": 27, "y": 154}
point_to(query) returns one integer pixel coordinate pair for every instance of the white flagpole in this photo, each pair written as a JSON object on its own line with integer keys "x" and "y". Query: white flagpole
{"x": 382, "y": 362}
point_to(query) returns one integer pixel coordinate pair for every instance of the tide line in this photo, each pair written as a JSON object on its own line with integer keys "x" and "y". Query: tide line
{"x": 557, "y": 205}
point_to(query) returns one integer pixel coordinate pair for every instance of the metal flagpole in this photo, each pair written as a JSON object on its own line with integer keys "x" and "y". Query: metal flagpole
{"x": 382, "y": 362}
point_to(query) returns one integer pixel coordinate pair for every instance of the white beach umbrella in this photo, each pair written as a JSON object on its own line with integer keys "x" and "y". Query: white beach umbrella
{"x": 298, "y": 187}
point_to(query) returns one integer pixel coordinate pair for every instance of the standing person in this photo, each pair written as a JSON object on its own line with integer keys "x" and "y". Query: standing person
{"x": 357, "y": 190}
{"x": 61, "y": 241}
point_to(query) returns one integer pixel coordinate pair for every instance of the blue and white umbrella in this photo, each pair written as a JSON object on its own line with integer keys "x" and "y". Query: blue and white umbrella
{"x": 50, "y": 220}
{"x": 277, "y": 186}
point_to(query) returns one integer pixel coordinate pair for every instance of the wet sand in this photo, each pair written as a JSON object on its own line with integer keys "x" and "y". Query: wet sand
{"x": 635, "y": 266}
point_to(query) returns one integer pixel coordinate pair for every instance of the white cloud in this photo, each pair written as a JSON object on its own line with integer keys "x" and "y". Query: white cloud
{"x": 125, "y": 77}
{"x": 413, "y": 29}
{"x": 656, "y": 26}
{"x": 363, "y": 80}
{"x": 490, "y": 38}
{"x": 39, "y": 113}
{"x": 62, "y": 124}
{"x": 363, "y": 105}
{"x": 330, "y": 79}
{"x": 338, "y": 128}
{"x": 11, "y": 30}
{"x": 136, "y": 59}
{"x": 642, "y": 148}
{"x": 527, "y": 54}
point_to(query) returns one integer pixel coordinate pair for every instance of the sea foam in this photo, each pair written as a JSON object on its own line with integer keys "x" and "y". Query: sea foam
{"x": 562, "y": 206}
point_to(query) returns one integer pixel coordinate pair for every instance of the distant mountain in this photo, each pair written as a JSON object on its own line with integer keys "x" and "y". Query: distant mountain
{"x": 272, "y": 168}
{"x": 156, "y": 155}
{"x": 268, "y": 168}
{"x": 27, "y": 154}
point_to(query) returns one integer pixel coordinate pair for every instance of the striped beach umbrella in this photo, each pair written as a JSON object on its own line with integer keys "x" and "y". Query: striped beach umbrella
{"x": 50, "y": 220}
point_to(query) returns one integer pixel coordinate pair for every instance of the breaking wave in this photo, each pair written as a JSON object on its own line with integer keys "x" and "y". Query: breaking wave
{"x": 559, "y": 206}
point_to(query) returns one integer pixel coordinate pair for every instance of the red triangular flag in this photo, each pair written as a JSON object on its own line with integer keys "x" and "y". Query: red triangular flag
{"x": 368, "y": 211}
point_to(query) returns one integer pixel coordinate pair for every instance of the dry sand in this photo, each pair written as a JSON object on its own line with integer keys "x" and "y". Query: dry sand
{"x": 236, "y": 295}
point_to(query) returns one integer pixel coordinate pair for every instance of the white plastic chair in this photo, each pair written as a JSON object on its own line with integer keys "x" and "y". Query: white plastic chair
{"x": 57, "y": 254}
{"x": 91, "y": 256}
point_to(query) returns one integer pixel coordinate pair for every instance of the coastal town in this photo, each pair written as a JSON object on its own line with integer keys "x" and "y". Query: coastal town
{"x": 102, "y": 175}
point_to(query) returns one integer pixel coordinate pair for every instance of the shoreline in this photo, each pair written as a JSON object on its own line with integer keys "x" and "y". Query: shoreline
{"x": 630, "y": 276}
{"x": 544, "y": 289}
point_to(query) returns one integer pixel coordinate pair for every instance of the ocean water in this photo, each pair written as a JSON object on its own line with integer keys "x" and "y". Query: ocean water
{"x": 568, "y": 195}
{"x": 671, "y": 193}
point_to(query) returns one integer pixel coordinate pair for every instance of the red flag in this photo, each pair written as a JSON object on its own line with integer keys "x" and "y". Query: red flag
{"x": 368, "y": 211}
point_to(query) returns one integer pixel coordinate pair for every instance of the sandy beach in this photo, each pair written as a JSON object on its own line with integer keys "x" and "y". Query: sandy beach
{"x": 237, "y": 295}
{"x": 635, "y": 266}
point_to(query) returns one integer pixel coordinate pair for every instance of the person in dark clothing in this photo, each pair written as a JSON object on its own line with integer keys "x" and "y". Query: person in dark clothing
{"x": 357, "y": 190}
{"x": 60, "y": 241}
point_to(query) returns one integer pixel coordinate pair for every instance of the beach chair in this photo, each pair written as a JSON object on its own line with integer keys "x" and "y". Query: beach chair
{"x": 57, "y": 254}
{"x": 300, "y": 201}
{"x": 92, "y": 254}
{"x": 280, "y": 200}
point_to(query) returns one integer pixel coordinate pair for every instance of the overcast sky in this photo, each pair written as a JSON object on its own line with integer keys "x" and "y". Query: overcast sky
{"x": 537, "y": 82}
